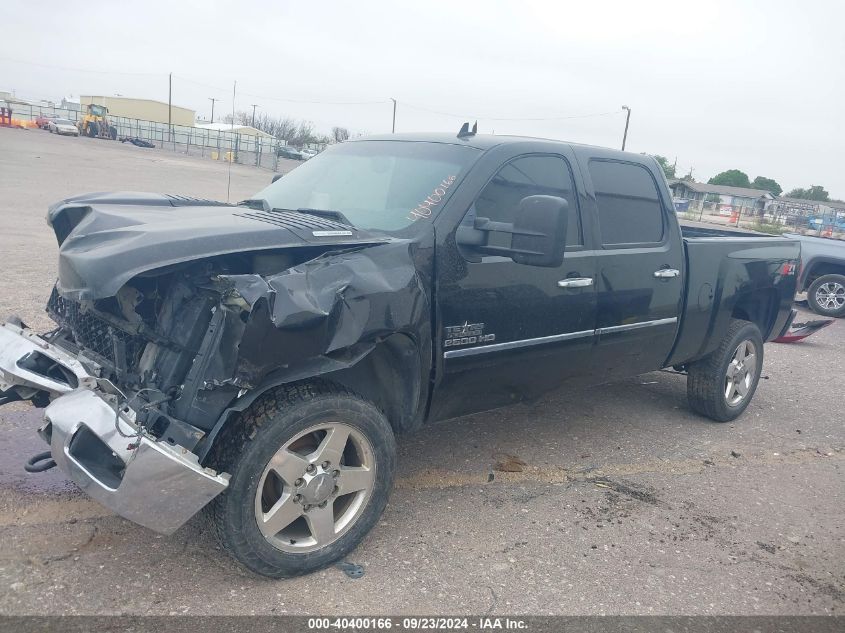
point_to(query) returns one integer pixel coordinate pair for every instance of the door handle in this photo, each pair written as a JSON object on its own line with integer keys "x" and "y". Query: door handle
{"x": 575, "y": 282}
{"x": 666, "y": 273}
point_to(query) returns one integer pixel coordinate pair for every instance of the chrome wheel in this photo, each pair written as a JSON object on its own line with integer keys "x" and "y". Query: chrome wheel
{"x": 741, "y": 373}
{"x": 831, "y": 295}
{"x": 315, "y": 487}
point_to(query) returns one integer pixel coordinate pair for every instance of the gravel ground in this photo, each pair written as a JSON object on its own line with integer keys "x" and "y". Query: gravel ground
{"x": 629, "y": 503}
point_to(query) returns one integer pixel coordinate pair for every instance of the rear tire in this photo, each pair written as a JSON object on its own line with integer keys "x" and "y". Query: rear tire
{"x": 281, "y": 467}
{"x": 113, "y": 133}
{"x": 721, "y": 385}
{"x": 826, "y": 296}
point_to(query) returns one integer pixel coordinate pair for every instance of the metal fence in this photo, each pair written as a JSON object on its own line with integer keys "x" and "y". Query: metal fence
{"x": 225, "y": 145}
{"x": 777, "y": 217}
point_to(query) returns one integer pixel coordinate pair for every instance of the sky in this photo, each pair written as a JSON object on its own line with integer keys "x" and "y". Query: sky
{"x": 756, "y": 86}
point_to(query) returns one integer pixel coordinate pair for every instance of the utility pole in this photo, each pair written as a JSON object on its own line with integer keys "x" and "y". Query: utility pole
{"x": 393, "y": 129}
{"x": 254, "y": 105}
{"x": 627, "y": 120}
{"x": 170, "y": 107}
{"x": 212, "y": 99}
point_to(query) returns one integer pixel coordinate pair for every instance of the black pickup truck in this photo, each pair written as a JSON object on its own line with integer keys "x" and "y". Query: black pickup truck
{"x": 258, "y": 358}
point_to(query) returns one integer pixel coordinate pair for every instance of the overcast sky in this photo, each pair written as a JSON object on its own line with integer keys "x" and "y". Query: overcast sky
{"x": 756, "y": 86}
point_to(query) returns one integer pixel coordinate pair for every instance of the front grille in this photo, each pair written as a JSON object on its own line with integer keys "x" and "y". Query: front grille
{"x": 93, "y": 334}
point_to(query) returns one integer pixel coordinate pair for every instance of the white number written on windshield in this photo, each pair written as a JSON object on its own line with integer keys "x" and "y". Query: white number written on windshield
{"x": 424, "y": 209}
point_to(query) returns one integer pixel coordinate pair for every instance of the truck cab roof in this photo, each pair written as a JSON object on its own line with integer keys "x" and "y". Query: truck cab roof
{"x": 486, "y": 142}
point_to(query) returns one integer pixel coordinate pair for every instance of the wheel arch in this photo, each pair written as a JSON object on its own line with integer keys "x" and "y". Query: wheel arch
{"x": 390, "y": 376}
{"x": 760, "y": 307}
{"x": 820, "y": 266}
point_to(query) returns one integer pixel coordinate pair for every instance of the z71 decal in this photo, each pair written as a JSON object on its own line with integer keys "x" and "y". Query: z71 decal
{"x": 466, "y": 334}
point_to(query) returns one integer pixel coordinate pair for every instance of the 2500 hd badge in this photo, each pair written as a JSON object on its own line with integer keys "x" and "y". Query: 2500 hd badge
{"x": 466, "y": 334}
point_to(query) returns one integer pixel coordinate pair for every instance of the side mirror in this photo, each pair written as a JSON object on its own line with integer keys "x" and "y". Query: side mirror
{"x": 538, "y": 233}
{"x": 275, "y": 178}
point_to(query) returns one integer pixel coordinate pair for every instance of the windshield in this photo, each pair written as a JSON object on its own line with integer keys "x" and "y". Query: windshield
{"x": 382, "y": 185}
{"x": 62, "y": 122}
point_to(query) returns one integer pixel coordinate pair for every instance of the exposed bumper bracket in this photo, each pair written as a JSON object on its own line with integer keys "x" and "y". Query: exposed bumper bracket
{"x": 17, "y": 344}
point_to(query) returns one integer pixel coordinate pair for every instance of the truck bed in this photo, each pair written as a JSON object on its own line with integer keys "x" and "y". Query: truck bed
{"x": 700, "y": 229}
{"x": 724, "y": 266}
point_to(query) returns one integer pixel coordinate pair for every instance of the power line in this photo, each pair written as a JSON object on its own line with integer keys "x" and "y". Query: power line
{"x": 486, "y": 118}
{"x": 315, "y": 101}
{"x": 81, "y": 70}
{"x": 312, "y": 102}
{"x": 283, "y": 99}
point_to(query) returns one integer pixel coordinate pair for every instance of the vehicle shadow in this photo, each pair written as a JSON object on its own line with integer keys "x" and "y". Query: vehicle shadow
{"x": 561, "y": 428}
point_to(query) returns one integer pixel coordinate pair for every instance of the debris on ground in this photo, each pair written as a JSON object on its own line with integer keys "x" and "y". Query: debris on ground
{"x": 508, "y": 463}
{"x": 800, "y": 331}
{"x": 351, "y": 569}
{"x": 137, "y": 142}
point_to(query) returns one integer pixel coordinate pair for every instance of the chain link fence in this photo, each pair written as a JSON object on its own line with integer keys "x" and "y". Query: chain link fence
{"x": 225, "y": 145}
{"x": 778, "y": 216}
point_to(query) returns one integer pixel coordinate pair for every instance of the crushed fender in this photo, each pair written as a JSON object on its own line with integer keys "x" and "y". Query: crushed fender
{"x": 326, "y": 313}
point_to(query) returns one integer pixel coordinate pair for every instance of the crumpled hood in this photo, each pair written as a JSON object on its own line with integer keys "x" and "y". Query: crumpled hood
{"x": 106, "y": 239}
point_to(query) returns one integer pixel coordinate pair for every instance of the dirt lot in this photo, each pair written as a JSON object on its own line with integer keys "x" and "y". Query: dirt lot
{"x": 629, "y": 503}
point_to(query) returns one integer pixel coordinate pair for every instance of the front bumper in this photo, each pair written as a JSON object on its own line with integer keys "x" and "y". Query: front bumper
{"x": 152, "y": 483}
{"x": 97, "y": 445}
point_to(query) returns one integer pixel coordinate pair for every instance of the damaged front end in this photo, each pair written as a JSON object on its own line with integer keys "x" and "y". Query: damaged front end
{"x": 138, "y": 384}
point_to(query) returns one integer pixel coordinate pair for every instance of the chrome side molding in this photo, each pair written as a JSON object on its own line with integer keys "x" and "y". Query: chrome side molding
{"x": 529, "y": 342}
{"x": 635, "y": 326}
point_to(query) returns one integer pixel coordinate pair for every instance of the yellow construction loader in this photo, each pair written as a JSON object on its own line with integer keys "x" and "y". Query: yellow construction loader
{"x": 95, "y": 123}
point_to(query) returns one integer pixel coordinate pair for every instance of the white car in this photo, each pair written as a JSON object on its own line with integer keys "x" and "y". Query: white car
{"x": 63, "y": 126}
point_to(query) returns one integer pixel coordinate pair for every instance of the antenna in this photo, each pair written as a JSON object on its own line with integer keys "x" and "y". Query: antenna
{"x": 232, "y": 151}
{"x": 465, "y": 131}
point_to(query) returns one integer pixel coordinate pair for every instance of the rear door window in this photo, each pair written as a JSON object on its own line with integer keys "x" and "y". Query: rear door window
{"x": 629, "y": 209}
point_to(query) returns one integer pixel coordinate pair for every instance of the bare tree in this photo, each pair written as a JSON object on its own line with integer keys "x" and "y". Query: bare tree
{"x": 304, "y": 133}
{"x": 291, "y": 131}
{"x": 340, "y": 134}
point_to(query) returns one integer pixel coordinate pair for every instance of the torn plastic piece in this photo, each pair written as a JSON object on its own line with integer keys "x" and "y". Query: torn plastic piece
{"x": 800, "y": 331}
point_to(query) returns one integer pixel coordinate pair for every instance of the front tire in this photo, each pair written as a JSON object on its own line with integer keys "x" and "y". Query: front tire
{"x": 721, "y": 385}
{"x": 311, "y": 469}
{"x": 826, "y": 296}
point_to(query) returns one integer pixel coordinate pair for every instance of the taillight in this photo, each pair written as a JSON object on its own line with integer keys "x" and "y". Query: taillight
{"x": 790, "y": 269}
